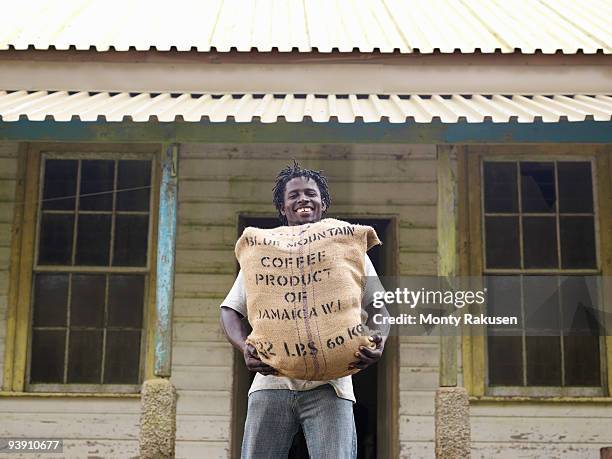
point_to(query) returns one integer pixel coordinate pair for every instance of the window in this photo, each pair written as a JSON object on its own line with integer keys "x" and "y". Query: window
{"x": 539, "y": 219}
{"x": 536, "y": 239}
{"x": 90, "y": 268}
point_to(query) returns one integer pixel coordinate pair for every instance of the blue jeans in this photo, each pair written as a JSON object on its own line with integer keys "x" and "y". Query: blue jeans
{"x": 274, "y": 417}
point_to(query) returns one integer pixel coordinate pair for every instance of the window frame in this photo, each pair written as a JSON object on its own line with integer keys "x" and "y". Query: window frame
{"x": 23, "y": 251}
{"x": 471, "y": 256}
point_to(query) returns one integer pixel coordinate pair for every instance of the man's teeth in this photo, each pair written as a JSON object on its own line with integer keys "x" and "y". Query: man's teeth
{"x": 303, "y": 209}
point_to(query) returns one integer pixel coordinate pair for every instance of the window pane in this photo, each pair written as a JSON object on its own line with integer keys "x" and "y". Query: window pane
{"x": 85, "y": 356}
{"x": 581, "y": 310}
{"x": 577, "y": 242}
{"x": 133, "y": 174}
{"x": 131, "y": 234}
{"x": 540, "y": 242}
{"x": 505, "y": 361}
{"x": 93, "y": 240}
{"x": 50, "y": 300}
{"x": 47, "y": 356}
{"x": 55, "y": 241}
{"x": 543, "y": 360}
{"x": 502, "y": 247}
{"x": 538, "y": 187}
{"x": 500, "y": 187}
{"x": 87, "y": 301}
{"x": 541, "y": 304}
{"x": 575, "y": 187}
{"x": 122, "y": 357}
{"x": 582, "y": 361}
{"x": 504, "y": 297}
{"x": 125, "y": 301}
{"x": 59, "y": 184}
{"x": 97, "y": 178}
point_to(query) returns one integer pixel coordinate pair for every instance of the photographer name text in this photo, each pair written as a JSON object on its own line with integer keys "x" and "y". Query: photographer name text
{"x": 454, "y": 320}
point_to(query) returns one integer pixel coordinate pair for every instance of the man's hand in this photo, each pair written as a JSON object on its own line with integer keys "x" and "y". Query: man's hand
{"x": 236, "y": 328}
{"x": 254, "y": 363}
{"x": 366, "y": 356}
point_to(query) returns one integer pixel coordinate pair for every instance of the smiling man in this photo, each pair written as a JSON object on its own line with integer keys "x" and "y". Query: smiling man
{"x": 279, "y": 405}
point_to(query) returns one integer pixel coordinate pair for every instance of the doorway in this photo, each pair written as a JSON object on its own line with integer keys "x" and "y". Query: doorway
{"x": 376, "y": 388}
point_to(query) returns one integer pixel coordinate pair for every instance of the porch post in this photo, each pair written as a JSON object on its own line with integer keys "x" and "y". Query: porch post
{"x": 158, "y": 416}
{"x": 452, "y": 422}
{"x": 166, "y": 242}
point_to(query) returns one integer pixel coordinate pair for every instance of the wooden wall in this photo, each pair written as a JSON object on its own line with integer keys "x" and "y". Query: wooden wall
{"x": 564, "y": 430}
{"x": 8, "y": 180}
{"x": 217, "y": 182}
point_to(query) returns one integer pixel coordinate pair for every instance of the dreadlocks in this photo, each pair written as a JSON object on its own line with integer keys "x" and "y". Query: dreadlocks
{"x": 294, "y": 171}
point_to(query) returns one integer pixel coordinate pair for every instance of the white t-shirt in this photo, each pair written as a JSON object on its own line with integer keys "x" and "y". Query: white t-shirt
{"x": 236, "y": 300}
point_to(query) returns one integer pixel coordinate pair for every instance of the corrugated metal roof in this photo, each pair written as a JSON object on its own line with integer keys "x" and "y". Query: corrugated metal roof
{"x": 270, "y": 108}
{"x": 406, "y": 26}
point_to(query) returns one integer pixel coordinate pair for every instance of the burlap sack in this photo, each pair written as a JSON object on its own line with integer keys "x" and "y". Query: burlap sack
{"x": 304, "y": 287}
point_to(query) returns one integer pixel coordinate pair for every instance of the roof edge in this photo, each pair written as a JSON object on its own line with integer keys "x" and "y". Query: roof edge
{"x": 292, "y": 57}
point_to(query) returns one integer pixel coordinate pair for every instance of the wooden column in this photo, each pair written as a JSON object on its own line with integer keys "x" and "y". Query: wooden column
{"x": 452, "y": 408}
{"x": 447, "y": 257}
{"x": 166, "y": 242}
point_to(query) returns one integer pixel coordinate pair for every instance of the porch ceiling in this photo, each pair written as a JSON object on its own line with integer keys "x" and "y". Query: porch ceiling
{"x": 296, "y": 108}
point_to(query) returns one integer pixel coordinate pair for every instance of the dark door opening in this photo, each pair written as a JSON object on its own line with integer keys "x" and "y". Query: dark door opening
{"x": 372, "y": 386}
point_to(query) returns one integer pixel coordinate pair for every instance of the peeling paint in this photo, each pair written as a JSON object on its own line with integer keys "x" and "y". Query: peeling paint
{"x": 165, "y": 262}
{"x": 522, "y": 436}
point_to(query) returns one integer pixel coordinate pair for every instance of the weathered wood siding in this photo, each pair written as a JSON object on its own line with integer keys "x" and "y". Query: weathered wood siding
{"x": 565, "y": 430}
{"x": 8, "y": 180}
{"x": 90, "y": 427}
{"x": 217, "y": 182}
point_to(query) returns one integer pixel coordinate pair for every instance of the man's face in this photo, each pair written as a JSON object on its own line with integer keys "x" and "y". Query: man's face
{"x": 302, "y": 202}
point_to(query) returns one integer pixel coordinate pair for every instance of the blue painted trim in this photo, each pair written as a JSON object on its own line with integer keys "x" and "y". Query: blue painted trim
{"x": 166, "y": 241}
{"x": 308, "y": 132}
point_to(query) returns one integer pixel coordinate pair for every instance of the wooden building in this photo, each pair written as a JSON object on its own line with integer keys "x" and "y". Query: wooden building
{"x": 131, "y": 156}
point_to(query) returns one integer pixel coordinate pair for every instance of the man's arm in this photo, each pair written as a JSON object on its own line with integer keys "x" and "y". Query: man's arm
{"x": 366, "y": 356}
{"x": 236, "y": 330}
